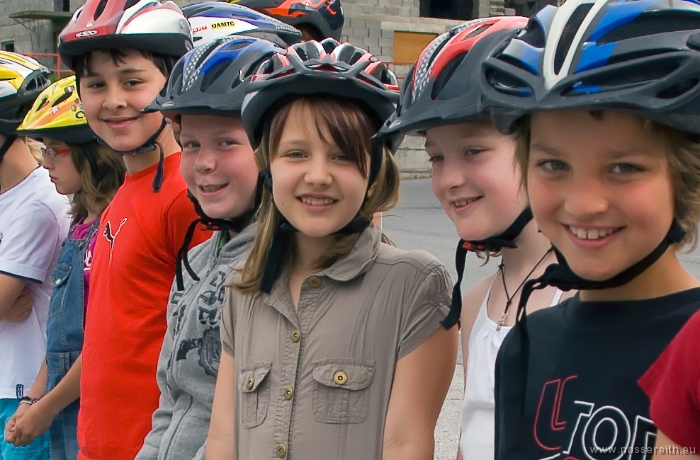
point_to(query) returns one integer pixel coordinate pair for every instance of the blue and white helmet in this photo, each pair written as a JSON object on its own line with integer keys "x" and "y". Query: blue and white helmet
{"x": 211, "y": 20}
{"x": 641, "y": 56}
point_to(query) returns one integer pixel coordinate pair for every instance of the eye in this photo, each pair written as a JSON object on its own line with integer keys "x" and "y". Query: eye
{"x": 626, "y": 168}
{"x": 295, "y": 154}
{"x": 190, "y": 145}
{"x": 95, "y": 84}
{"x": 471, "y": 152}
{"x": 553, "y": 165}
{"x": 342, "y": 157}
{"x": 132, "y": 83}
{"x": 435, "y": 158}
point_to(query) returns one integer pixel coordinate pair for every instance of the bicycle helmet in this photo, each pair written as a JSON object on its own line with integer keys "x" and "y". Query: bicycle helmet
{"x": 117, "y": 24}
{"x": 21, "y": 80}
{"x": 210, "y": 78}
{"x": 210, "y": 20}
{"x": 339, "y": 70}
{"x": 442, "y": 86}
{"x": 57, "y": 113}
{"x": 637, "y": 56}
{"x": 321, "y": 18}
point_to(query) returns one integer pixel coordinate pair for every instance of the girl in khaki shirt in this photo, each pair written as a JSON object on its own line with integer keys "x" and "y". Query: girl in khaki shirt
{"x": 332, "y": 346}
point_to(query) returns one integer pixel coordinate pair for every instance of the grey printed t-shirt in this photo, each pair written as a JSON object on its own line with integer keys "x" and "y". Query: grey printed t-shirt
{"x": 315, "y": 383}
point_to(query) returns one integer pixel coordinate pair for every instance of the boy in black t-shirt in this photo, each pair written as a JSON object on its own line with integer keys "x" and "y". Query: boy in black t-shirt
{"x": 606, "y": 112}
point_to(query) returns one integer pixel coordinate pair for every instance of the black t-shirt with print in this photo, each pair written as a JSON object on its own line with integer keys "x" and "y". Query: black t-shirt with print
{"x": 582, "y": 394}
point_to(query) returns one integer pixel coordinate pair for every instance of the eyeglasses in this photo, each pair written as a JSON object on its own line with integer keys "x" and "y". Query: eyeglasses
{"x": 50, "y": 152}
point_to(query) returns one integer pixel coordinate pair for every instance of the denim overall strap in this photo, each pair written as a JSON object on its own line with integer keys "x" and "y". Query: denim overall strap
{"x": 64, "y": 333}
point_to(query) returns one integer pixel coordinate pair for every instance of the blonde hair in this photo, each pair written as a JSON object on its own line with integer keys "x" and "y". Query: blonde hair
{"x": 35, "y": 148}
{"x": 95, "y": 197}
{"x": 351, "y": 129}
{"x": 683, "y": 159}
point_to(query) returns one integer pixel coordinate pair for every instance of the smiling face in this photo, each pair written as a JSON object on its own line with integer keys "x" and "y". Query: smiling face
{"x": 315, "y": 185}
{"x": 114, "y": 93}
{"x": 475, "y": 178}
{"x": 600, "y": 189}
{"x": 218, "y": 164}
{"x": 61, "y": 168}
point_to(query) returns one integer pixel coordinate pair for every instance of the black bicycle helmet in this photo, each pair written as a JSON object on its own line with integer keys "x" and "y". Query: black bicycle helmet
{"x": 637, "y": 56}
{"x": 321, "y": 18}
{"x": 210, "y": 20}
{"x": 442, "y": 86}
{"x": 211, "y": 78}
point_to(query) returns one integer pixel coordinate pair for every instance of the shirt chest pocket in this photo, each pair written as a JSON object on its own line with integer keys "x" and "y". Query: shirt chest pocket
{"x": 254, "y": 385}
{"x": 341, "y": 389}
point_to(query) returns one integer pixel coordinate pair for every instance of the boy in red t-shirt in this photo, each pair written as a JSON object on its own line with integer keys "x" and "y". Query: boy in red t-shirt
{"x": 122, "y": 52}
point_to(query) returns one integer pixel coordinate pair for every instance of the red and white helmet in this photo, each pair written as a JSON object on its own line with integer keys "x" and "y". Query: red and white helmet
{"x": 118, "y": 24}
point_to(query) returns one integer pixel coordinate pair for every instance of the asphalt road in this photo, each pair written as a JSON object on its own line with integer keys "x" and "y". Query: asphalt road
{"x": 420, "y": 223}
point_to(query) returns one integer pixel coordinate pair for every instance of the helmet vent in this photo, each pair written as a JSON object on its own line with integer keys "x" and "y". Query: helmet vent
{"x": 214, "y": 74}
{"x": 651, "y": 24}
{"x": 446, "y": 74}
{"x": 628, "y": 76}
{"x": 534, "y": 35}
{"x": 678, "y": 89}
{"x": 567, "y": 35}
{"x": 507, "y": 84}
{"x": 479, "y": 30}
{"x": 130, "y": 3}
{"x": 100, "y": 9}
{"x": 66, "y": 95}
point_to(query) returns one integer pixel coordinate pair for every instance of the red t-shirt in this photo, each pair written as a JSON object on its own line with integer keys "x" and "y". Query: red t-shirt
{"x": 132, "y": 271}
{"x": 673, "y": 385}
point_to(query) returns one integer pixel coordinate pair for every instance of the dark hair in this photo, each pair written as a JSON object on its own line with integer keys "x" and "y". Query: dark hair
{"x": 82, "y": 63}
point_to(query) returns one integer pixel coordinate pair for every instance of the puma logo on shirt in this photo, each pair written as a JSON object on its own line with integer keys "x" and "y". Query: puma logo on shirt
{"x": 111, "y": 237}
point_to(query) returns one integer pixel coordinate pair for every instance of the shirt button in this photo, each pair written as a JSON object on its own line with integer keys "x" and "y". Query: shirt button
{"x": 281, "y": 450}
{"x": 288, "y": 393}
{"x": 296, "y": 335}
{"x": 250, "y": 383}
{"x": 340, "y": 378}
{"x": 314, "y": 281}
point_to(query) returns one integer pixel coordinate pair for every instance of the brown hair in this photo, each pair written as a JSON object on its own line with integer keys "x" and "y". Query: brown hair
{"x": 683, "y": 159}
{"x": 95, "y": 198}
{"x": 351, "y": 129}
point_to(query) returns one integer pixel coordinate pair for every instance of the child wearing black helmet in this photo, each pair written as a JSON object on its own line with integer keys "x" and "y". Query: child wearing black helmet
{"x": 604, "y": 97}
{"x": 328, "y": 331}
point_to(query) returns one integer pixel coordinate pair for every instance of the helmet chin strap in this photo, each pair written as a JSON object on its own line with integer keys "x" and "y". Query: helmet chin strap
{"x": 280, "y": 240}
{"x": 236, "y": 224}
{"x": 9, "y": 140}
{"x": 150, "y": 145}
{"x": 560, "y": 275}
{"x": 491, "y": 244}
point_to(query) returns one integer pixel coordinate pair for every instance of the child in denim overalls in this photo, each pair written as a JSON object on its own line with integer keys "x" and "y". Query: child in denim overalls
{"x": 92, "y": 174}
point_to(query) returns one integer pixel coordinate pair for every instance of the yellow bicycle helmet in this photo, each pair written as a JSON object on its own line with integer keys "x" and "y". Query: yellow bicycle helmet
{"x": 58, "y": 114}
{"x": 21, "y": 81}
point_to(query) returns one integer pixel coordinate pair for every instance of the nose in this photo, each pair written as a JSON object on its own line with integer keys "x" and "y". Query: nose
{"x": 114, "y": 98}
{"x": 586, "y": 197}
{"x": 450, "y": 174}
{"x": 318, "y": 172}
{"x": 205, "y": 161}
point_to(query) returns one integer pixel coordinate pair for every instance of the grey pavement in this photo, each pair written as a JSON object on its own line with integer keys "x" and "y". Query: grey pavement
{"x": 420, "y": 223}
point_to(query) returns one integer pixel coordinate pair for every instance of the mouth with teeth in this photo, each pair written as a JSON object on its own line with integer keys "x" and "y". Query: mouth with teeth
{"x": 593, "y": 234}
{"x": 468, "y": 201}
{"x": 211, "y": 188}
{"x": 316, "y": 201}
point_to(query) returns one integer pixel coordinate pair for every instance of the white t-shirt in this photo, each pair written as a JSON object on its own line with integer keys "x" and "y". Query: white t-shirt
{"x": 34, "y": 220}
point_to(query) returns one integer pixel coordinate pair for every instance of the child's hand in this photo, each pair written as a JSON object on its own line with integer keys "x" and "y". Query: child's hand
{"x": 34, "y": 422}
{"x": 12, "y": 422}
{"x": 21, "y": 308}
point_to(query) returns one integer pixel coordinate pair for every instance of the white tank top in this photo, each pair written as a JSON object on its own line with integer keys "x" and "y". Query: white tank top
{"x": 477, "y": 441}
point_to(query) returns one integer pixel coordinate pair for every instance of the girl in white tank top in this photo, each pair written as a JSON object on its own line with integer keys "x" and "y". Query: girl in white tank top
{"x": 478, "y": 184}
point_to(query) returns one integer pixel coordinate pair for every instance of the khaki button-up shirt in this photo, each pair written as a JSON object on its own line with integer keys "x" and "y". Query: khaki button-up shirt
{"x": 315, "y": 383}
